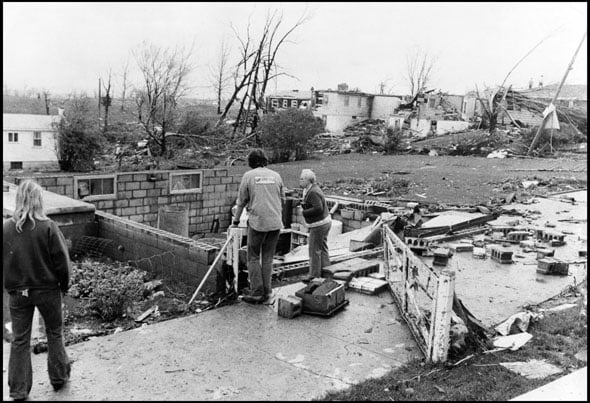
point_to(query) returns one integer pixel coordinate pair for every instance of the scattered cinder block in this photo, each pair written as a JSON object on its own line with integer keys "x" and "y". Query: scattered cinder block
{"x": 545, "y": 252}
{"x": 367, "y": 285}
{"x": 441, "y": 256}
{"x": 461, "y": 247}
{"x": 500, "y": 254}
{"x": 550, "y": 265}
{"x": 479, "y": 253}
{"x": 290, "y": 306}
{"x": 517, "y": 236}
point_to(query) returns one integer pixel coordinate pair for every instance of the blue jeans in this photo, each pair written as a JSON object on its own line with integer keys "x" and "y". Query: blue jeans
{"x": 318, "y": 249}
{"x": 261, "y": 251}
{"x": 20, "y": 371}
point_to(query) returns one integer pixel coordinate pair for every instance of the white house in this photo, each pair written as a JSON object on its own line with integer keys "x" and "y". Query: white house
{"x": 29, "y": 142}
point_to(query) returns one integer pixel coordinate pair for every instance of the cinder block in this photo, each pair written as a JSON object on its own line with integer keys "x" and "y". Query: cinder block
{"x": 358, "y": 215}
{"x": 132, "y": 186}
{"x": 124, "y": 178}
{"x": 127, "y": 194}
{"x": 162, "y": 200}
{"x": 147, "y": 185}
{"x": 154, "y": 192}
{"x": 290, "y": 306}
{"x": 226, "y": 180}
{"x": 138, "y": 218}
{"x": 139, "y": 193}
{"x": 128, "y": 211}
{"x": 214, "y": 181}
{"x": 120, "y": 204}
{"x": 220, "y": 189}
{"x": 140, "y": 177}
{"x": 221, "y": 172}
{"x": 135, "y": 202}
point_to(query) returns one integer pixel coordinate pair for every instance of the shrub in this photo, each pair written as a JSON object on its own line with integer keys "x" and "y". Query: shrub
{"x": 114, "y": 294}
{"x": 287, "y": 133}
{"x": 109, "y": 289}
{"x": 393, "y": 140}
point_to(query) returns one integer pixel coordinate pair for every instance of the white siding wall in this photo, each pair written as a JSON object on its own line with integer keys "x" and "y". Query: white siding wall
{"x": 24, "y": 150}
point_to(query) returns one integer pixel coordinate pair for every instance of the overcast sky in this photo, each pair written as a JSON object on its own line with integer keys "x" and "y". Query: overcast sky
{"x": 65, "y": 47}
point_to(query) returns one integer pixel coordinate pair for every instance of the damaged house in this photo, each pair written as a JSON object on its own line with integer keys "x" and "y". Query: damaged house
{"x": 343, "y": 107}
{"x": 288, "y": 99}
{"x": 439, "y": 113}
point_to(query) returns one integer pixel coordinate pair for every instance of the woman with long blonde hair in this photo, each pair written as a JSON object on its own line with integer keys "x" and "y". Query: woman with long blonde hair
{"x": 36, "y": 270}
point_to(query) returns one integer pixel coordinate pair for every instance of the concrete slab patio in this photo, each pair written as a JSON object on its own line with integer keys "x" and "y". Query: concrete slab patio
{"x": 238, "y": 352}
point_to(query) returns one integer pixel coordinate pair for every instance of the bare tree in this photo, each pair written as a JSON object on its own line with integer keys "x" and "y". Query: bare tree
{"x": 124, "y": 84}
{"x": 164, "y": 74}
{"x": 258, "y": 65}
{"x": 219, "y": 74}
{"x": 106, "y": 100}
{"x": 419, "y": 68}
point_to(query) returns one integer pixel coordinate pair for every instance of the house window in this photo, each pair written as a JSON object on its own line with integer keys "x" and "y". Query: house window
{"x": 37, "y": 139}
{"x": 346, "y": 100}
{"x": 185, "y": 182}
{"x": 465, "y": 107}
{"x": 274, "y": 103}
{"x": 285, "y": 103}
{"x": 13, "y": 137}
{"x": 98, "y": 187}
{"x": 360, "y": 103}
{"x": 16, "y": 165}
{"x": 294, "y": 103}
{"x": 354, "y": 117}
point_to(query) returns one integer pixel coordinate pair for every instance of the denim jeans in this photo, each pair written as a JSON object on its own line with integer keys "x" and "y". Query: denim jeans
{"x": 261, "y": 251}
{"x": 318, "y": 249}
{"x": 20, "y": 371}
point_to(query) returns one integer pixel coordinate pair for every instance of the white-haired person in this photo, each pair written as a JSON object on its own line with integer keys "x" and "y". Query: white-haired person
{"x": 317, "y": 218}
{"x": 36, "y": 270}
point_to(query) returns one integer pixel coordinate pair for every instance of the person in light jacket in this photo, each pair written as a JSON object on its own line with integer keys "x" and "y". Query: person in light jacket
{"x": 36, "y": 270}
{"x": 261, "y": 193}
{"x": 317, "y": 218}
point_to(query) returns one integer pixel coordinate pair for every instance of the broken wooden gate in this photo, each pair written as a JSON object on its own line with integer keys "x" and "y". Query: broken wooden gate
{"x": 423, "y": 295}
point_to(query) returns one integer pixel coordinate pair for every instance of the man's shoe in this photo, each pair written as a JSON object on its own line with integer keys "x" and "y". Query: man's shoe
{"x": 58, "y": 385}
{"x": 253, "y": 299}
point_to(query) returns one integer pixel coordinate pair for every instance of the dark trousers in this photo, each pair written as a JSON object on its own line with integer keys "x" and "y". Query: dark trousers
{"x": 20, "y": 371}
{"x": 261, "y": 251}
{"x": 317, "y": 242}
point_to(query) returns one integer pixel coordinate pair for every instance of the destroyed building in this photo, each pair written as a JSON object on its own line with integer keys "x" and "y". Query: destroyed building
{"x": 342, "y": 107}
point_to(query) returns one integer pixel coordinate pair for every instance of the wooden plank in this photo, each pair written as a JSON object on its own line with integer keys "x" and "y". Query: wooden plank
{"x": 442, "y": 312}
{"x": 147, "y": 313}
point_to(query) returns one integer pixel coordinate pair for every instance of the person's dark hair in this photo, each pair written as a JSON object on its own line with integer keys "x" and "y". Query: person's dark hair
{"x": 257, "y": 158}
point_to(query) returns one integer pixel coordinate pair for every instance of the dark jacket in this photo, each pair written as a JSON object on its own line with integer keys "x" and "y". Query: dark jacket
{"x": 37, "y": 258}
{"x": 314, "y": 205}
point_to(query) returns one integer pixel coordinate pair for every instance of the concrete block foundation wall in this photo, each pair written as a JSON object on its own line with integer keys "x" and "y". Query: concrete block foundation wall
{"x": 163, "y": 253}
{"x": 139, "y": 199}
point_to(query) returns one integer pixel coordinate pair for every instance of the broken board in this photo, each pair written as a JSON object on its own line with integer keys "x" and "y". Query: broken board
{"x": 351, "y": 268}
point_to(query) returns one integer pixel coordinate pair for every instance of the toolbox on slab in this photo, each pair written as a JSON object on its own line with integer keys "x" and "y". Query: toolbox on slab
{"x": 321, "y": 296}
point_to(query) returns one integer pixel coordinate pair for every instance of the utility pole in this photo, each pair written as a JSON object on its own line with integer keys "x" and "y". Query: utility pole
{"x": 569, "y": 67}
